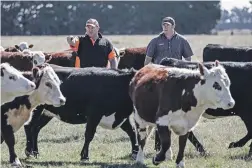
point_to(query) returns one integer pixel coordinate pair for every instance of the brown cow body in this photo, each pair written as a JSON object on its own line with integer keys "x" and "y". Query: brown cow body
{"x": 23, "y": 62}
{"x": 132, "y": 58}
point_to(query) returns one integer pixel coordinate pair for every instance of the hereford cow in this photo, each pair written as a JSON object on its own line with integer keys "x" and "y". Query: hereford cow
{"x": 14, "y": 114}
{"x": 173, "y": 99}
{"x": 13, "y": 83}
{"x": 240, "y": 74}
{"x": 219, "y": 52}
{"x": 132, "y": 58}
{"x": 95, "y": 96}
{"x": 25, "y": 62}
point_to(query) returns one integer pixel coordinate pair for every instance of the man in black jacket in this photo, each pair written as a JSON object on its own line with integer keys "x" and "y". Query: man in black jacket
{"x": 93, "y": 49}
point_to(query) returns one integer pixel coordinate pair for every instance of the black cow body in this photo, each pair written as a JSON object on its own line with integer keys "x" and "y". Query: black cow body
{"x": 214, "y": 52}
{"x": 92, "y": 94}
{"x": 240, "y": 74}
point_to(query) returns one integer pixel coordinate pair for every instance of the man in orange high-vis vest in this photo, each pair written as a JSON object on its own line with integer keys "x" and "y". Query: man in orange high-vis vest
{"x": 93, "y": 49}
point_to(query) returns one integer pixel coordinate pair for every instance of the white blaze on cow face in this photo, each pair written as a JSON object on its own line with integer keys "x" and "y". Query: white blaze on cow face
{"x": 49, "y": 88}
{"x": 23, "y": 45}
{"x": 217, "y": 87}
{"x": 38, "y": 58}
{"x": 13, "y": 83}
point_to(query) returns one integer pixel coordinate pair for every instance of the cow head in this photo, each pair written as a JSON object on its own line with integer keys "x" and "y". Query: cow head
{"x": 13, "y": 83}
{"x": 48, "y": 86}
{"x": 23, "y": 45}
{"x": 216, "y": 87}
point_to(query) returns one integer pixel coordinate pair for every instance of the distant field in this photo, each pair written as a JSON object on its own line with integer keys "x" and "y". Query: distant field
{"x": 60, "y": 144}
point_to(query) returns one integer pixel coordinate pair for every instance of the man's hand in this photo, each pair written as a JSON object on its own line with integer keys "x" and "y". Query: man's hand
{"x": 72, "y": 40}
{"x": 113, "y": 63}
{"x": 147, "y": 60}
{"x": 188, "y": 59}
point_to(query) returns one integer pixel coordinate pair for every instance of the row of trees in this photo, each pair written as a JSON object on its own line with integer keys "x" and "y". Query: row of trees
{"x": 63, "y": 17}
{"x": 237, "y": 18}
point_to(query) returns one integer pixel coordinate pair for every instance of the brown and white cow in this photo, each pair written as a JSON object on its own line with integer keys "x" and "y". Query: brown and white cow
{"x": 13, "y": 83}
{"x": 173, "y": 99}
{"x": 16, "y": 113}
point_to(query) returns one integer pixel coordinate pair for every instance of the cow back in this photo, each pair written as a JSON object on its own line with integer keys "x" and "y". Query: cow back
{"x": 214, "y": 52}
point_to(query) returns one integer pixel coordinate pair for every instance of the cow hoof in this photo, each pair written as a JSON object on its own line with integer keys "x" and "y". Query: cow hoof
{"x": 83, "y": 159}
{"x": 28, "y": 153}
{"x": 133, "y": 156}
{"x": 35, "y": 154}
{"x": 181, "y": 164}
{"x": 155, "y": 162}
{"x": 16, "y": 164}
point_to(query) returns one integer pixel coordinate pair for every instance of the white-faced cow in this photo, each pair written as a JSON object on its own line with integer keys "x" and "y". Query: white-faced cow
{"x": 23, "y": 46}
{"x": 241, "y": 90}
{"x": 18, "y": 112}
{"x": 13, "y": 83}
{"x": 173, "y": 99}
{"x": 95, "y": 96}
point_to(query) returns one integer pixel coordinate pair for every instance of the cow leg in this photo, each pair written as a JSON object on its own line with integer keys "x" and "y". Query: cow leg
{"x": 199, "y": 147}
{"x": 165, "y": 138}
{"x": 8, "y": 135}
{"x": 141, "y": 136}
{"x": 182, "y": 144}
{"x": 247, "y": 137}
{"x": 32, "y": 131}
{"x": 92, "y": 123}
{"x": 127, "y": 127}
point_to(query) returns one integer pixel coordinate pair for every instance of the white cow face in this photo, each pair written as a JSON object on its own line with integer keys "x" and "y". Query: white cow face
{"x": 23, "y": 45}
{"x": 48, "y": 86}
{"x": 217, "y": 87}
{"x": 38, "y": 58}
{"x": 13, "y": 83}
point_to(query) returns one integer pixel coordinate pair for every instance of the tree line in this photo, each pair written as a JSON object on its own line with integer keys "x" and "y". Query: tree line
{"x": 124, "y": 17}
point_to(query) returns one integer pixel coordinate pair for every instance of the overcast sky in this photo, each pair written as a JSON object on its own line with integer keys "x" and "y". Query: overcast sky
{"x": 229, "y": 4}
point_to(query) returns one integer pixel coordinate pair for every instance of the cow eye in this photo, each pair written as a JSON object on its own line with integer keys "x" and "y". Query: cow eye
{"x": 35, "y": 62}
{"x": 48, "y": 85}
{"x": 12, "y": 78}
{"x": 216, "y": 86}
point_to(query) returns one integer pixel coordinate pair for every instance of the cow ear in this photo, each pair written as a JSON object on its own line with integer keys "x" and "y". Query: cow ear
{"x": 31, "y": 45}
{"x": 217, "y": 63}
{"x": 16, "y": 46}
{"x": 49, "y": 57}
{"x": 203, "y": 70}
{"x": 36, "y": 72}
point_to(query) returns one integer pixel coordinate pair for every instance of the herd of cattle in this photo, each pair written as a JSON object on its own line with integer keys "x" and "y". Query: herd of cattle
{"x": 172, "y": 96}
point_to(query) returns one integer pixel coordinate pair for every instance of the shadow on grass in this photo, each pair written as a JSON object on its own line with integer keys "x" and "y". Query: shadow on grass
{"x": 63, "y": 140}
{"x": 33, "y": 164}
{"x": 245, "y": 157}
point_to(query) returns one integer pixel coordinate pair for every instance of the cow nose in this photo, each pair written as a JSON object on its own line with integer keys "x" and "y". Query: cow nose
{"x": 231, "y": 104}
{"x": 62, "y": 101}
{"x": 32, "y": 85}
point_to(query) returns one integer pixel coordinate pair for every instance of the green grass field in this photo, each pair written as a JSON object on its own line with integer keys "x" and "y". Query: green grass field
{"x": 60, "y": 144}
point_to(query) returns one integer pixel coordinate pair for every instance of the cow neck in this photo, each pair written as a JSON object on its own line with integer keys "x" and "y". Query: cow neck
{"x": 199, "y": 93}
{"x": 34, "y": 99}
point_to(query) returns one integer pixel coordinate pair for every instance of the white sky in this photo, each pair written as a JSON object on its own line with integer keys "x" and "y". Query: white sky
{"x": 229, "y": 4}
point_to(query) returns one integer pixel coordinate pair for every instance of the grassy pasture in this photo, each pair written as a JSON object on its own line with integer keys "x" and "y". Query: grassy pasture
{"x": 60, "y": 144}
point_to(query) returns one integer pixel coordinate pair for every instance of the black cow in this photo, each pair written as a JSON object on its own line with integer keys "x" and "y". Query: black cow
{"x": 219, "y": 52}
{"x": 95, "y": 96}
{"x": 240, "y": 74}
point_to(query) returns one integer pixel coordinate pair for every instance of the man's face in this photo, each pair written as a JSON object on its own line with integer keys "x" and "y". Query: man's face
{"x": 92, "y": 30}
{"x": 167, "y": 27}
